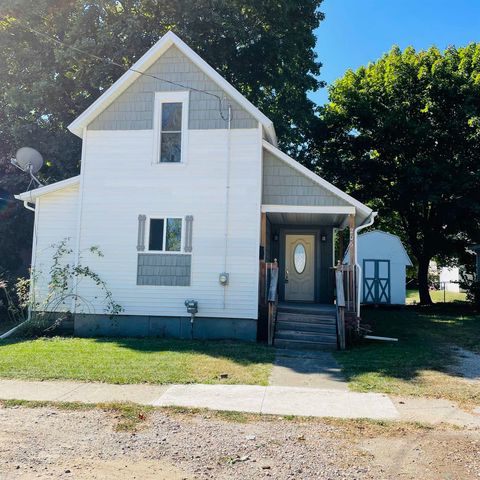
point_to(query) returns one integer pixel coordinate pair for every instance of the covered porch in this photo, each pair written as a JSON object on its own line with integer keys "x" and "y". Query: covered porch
{"x": 307, "y": 224}
{"x": 302, "y": 239}
{"x": 305, "y": 244}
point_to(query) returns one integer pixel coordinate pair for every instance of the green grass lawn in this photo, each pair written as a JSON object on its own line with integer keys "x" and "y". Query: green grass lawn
{"x": 133, "y": 360}
{"x": 418, "y": 363}
{"x": 437, "y": 296}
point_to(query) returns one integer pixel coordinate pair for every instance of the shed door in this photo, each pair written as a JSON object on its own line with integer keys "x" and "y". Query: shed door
{"x": 376, "y": 281}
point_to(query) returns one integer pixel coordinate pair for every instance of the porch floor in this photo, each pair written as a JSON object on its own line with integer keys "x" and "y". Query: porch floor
{"x": 312, "y": 308}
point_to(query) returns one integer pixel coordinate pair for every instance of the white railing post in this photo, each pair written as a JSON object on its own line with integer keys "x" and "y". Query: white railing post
{"x": 339, "y": 281}
{"x": 271, "y": 296}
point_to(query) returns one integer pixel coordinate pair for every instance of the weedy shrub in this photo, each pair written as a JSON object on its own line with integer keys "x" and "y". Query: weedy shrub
{"x": 42, "y": 313}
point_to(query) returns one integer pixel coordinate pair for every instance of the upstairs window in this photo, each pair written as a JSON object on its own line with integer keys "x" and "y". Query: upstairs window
{"x": 165, "y": 235}
{"x": 171, "y": 133}
{"x": 171, "y": 127}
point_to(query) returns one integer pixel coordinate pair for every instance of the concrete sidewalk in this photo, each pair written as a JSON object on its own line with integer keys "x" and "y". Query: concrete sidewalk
{"x": 276, "y": 400}
{"x": 319, "y": 369}
{"x": 312, "y": 402}
{"x": 308, "y": 402}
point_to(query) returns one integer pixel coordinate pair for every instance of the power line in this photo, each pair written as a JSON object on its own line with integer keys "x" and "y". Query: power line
{"x": 112, "y": 62}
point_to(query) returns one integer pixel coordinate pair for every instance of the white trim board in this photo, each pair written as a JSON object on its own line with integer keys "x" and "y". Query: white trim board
{"x": 145, "y": 62}
{"x": 361, "y": 208}
{"x": 334, "y": 210}
{"x": 38, "y": 192}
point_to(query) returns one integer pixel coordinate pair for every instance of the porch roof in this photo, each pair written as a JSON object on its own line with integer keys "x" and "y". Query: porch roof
{"x": 307, "y": 215}
{"x": 31, "y": 195}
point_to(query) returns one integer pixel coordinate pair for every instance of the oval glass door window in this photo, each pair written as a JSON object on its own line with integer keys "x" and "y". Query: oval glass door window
{"x": 299, "y": 258}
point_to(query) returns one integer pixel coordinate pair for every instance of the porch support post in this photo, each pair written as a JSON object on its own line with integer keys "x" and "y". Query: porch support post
{"x": 341, "y": 247}
{"x": 352, "y": 281}
{"x": 263, "y": 233}
{"x": 352, "y": 246}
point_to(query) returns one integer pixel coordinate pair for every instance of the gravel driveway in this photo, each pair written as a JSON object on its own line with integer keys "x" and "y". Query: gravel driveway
{"x": 49, "y": 443}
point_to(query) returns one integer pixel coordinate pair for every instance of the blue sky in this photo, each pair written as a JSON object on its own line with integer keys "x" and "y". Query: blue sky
{"x": 355, "y": 32}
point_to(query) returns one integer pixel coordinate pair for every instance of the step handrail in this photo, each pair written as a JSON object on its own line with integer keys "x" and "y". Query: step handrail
{"x": 271, "y": 283}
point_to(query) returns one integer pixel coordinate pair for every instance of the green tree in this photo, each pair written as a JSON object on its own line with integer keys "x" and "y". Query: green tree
{"x": 403, "y": 135}
{"x": 265, "y": 49}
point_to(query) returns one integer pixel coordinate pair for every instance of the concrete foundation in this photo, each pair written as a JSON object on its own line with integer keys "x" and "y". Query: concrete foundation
{"x": 87, "y": 325}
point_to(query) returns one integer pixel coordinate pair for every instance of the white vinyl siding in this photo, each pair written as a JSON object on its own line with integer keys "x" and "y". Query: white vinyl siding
{"x": 56, "y": 220}
{"x": 120, "y": 183}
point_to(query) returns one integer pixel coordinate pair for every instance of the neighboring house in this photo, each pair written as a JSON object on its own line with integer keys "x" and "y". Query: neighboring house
{"x": 383, "y": 261}
{"x": 176, "y": 193}
{"x": 449, "y": 278}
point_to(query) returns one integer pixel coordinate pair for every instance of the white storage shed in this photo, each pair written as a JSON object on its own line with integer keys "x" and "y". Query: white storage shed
{"x": 383, "y": 260}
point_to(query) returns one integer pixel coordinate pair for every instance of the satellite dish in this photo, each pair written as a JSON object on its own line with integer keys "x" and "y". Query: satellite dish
{"x": 29, "y": 160}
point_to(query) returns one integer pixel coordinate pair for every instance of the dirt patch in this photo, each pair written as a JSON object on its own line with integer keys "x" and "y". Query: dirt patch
{"x": 431, "y": 455}
{"x": 121, "y": 469}
{"x": 50, "y": 443}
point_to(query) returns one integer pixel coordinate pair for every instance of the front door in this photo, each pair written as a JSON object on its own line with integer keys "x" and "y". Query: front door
{"x": 300, "y": 268}
{"x": 376, "y": 281}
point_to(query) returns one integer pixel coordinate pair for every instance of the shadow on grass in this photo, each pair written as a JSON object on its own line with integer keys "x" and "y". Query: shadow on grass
{"x": 242, "y": 353}
{"x": 425, "y": 336}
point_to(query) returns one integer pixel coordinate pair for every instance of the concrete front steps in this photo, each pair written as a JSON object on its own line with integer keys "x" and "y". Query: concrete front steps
{"x": 306, "y": 327}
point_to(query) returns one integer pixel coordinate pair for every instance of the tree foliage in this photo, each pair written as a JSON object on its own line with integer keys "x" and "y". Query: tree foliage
{"x": 265, "y": 49}
{"x": 403, "y": 135}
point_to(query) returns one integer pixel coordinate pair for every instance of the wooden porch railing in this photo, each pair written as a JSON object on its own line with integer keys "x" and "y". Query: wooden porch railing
{"x": 269, "y": 294}
{"x": 346, "y": 282}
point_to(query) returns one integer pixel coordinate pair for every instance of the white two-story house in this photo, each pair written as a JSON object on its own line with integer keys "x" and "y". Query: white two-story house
{"x": 185, "y": 192}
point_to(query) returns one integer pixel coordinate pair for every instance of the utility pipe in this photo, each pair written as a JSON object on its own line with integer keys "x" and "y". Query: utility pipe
{"x": 76, "y": 251}
{"x": 368, "y": 223}
{"x": 29, "y": 314}
{"x": 227, "y": 199}
{"x": 14, "y": 329}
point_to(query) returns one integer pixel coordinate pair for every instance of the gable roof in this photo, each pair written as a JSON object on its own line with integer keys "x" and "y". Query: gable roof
{"x": 362, "y": 209}
{"x": 53, "y": 187}
{"x": 146, "y": 61}
{"x": 394, "y": 237}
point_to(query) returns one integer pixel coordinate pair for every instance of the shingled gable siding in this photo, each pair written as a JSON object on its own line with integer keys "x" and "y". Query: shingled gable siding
{"x": 164, "y": 269}
{"x": 133, "y": 109}
{"x": 283, "y": 185}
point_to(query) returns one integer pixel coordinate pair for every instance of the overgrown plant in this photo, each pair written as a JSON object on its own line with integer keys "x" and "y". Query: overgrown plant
{"x": 472, "y": 287}
{"x": 62, "y": 298}
{"x": 12, "y": 298}
{"x": 65, "y": 278}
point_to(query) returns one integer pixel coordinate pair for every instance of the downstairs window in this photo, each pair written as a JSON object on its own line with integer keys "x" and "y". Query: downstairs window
{"x": 165, "y": 235}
